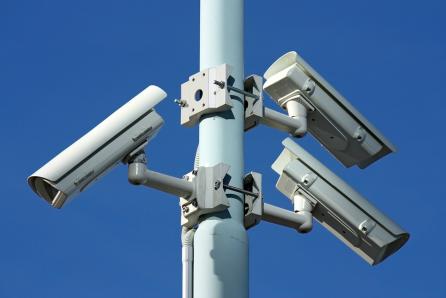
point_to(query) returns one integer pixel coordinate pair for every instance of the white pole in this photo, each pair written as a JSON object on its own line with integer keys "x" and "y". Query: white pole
{"x": 221, "y": 242}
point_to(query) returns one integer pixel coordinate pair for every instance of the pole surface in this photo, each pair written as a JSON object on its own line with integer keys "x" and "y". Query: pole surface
{"x": 221, "y": 242}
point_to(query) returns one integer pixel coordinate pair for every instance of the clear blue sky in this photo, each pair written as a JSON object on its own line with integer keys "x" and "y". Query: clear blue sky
{"x": 65, "y": 65}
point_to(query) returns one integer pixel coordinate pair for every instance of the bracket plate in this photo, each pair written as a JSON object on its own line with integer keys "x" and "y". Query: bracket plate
{"x": 209, "y": 194}
{"x": 200, "y": 95}
{"x": 253, "y": 205}
{"x": 253, "y": 107}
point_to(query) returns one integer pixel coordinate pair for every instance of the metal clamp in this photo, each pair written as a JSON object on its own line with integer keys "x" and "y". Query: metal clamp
{"x": 201, "y": 95}
{"x": 252, "y": 183}
{"x": 209, "y": 195}
{"x": 253, "y": 106}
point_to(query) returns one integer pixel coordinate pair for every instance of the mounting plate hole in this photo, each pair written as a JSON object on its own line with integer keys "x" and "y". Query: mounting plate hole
{"x": 198, "y": 95}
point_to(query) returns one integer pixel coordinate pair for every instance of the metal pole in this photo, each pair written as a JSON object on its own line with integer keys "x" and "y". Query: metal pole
{"x": 221, "y": 242}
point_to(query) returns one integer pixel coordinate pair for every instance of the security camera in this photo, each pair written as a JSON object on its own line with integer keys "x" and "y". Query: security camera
{"x": 331, "y": 119}
{"x": 125, "y": 131}
{"x": 339, "y": 208}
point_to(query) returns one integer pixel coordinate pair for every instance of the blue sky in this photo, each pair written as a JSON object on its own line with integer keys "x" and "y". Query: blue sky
{"x": 66, "y": 65}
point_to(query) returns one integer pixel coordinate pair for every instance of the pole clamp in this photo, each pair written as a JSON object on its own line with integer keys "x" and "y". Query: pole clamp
{"x": 209, "y": 195}
{"x": 200, "y": 95}
{"x": 252, "y": 184}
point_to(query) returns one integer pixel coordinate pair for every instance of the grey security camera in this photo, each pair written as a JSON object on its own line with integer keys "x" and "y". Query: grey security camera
{"x": 125, "y": 131}
{"x": 338, "y": 207}
{"x": 331, "y": 119}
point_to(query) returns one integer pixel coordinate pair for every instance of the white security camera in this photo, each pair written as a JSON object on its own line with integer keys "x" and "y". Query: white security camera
{"x": 125, "y": 131}
{"x": 331, "y": 119}
{"x": 338, "y": 207}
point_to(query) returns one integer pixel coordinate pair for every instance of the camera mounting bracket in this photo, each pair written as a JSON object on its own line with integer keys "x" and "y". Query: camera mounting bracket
{"x": 203, "y": 94}
{"x": 256, "y": 112}
{"x": 252, "y": 182}
{"x": 209, "y": 195}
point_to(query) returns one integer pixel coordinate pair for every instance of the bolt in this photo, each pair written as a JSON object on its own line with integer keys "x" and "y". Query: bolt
{"x": 195, "y": 203}
{"x": 217, "y": 184}
{"x": 181, "y": 103}
{"x": 220, "y": 84}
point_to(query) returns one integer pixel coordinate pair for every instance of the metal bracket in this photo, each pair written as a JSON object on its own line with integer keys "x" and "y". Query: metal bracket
{"x": 202, "y": 95}
{"x": 252, "y": 183}
{"x": 256, "y": 112}
{"x": 253, "y": 106}
{"x": 209, "y": 194}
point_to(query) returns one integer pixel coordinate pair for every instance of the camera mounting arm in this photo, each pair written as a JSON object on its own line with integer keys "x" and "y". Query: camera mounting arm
{"x": 297, "y": 106}
{"x": 257, "y": 210}
{"x": 303, "y": 223}
{"x": 138, "y": 174}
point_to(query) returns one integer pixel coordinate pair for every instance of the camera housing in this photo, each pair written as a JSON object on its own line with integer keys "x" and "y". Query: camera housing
{"x": 338, "y": 207}
{"x": 331, "y": 119}
{"x": 125, "y": 131}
